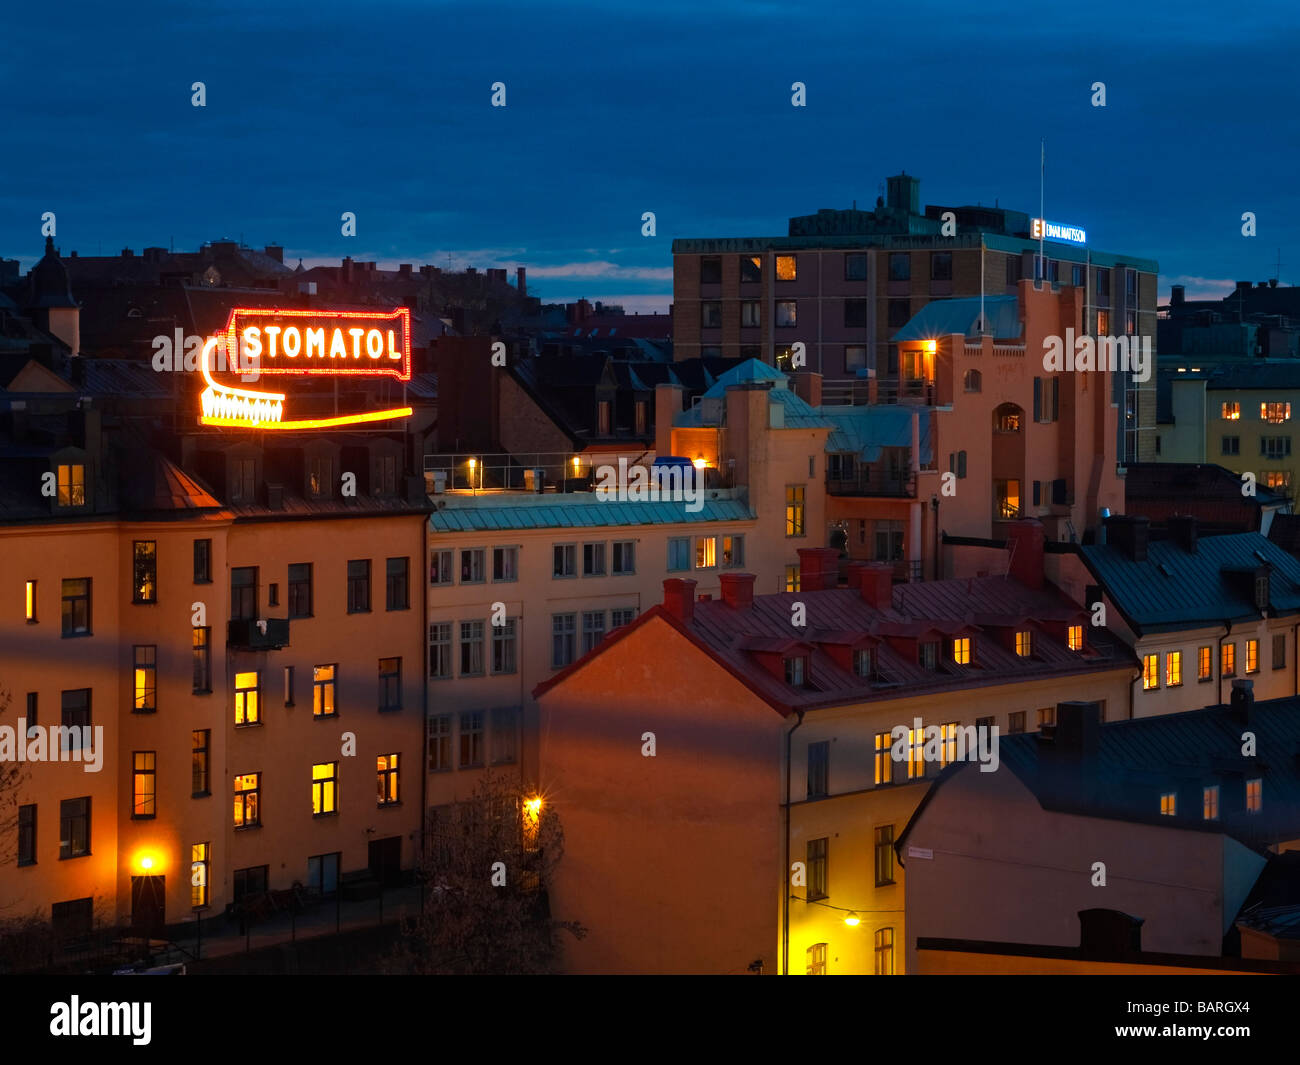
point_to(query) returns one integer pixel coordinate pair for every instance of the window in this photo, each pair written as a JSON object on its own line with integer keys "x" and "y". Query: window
{"x": 27, "y": 834}
{"x": 973, "y": 381}
{"x": 897, "y": 314}
{"x": 1279, "y": 651}
{"x": 679, "y": 553}
{"x": 1277, "y": 479}
{"x": 619, "y": 617}
{"x": 505, "y": 563}
{"x": 787, "y": 316}
{"x": 1254, "y": 795}
{"x": 1074, "y": 637}
{"x": 565, "y": 560}
{"x": 396, "y": 585}
{"x": 202, "y": 561}
{"x": 199, "y": 871}
{"x": 791, "y": 581}
{"x": 145, "y": 678}
{"x": 564, "y": 628}
{"x": 816, "y": 853}
{"x": 1230, "y": 412}
{"x": 961, "y": 650}
{"x": 324, "y": 788}
{"x": 941, "y": 266}
{"x": 1228, "y": 660}
{"x": 815, "y": 959}
{"x": 1169, "y": 804}
{"x": 855, "y": 358}
{"x": 1173, "y": 669}
{"x": 74, "y": 712}
{"x": 505, "y": 643}
{"x": 200, "y": 782}
{"x": 706, "y": 552}
{"x": 1015, "y": 270}
{"x": 386, "y": 772}
{"x": 751, "y": 268}
{"x": 1276, "y": 413}
{"x": 300, "y": 590}
{"x": 440, "y": 567}
{"x": 76, "y": 607}
{"x": 471, "y": 739}
{"x": 32, "y": 702}
{"x": 1006, "y": 499}
{"x": 711, "y": 270}
{"x": 1046, "y": 718}
{"x": 29, "y": 607}
{"x": 1210, "y": 803}
{"x": 855, "y": 266}
{"x": 1103, "y": 284}
{"x": 72, "y": 485}
{"x": 320, "y": 477}
{"x": 1252, "y": 656}
{"x": 1204, "y": 667}
{"x": 864, "y": 663}
{"x": 359, "y": 586}
{"x": 915, "y": 753}
{"x": 624, "y": 557}
{"x": 1024, "y": 643}
{"x": 785, "y": 268}
{"x": 855, "y": 314}
{"x": 250, "y": 882}
{"x": 1275, "y": 447}
{"x": 1230, "y": 445}
{"x": 247, "y": 699}
{"x": 794, "y": 509}
{"x": 884, "y": 855}
{"x": 471, "y": 649}
{"x": 505, "y": 735}
{"x": 593, "y": 560}
{"x": 927, "y": 655}
{"x": 593, "y": 629}
{"x": 733, "y": 551}
{"x": 440, "y": 743}
{"x": 243, "y": 480}
{"x": 900, "y": 266}
{"x": 243, "y": 592}
{"x": 440, "y": 650}
{"x": 710, "y": 315}
{"x": 74, "y": 827}
{"x": 819, "y": 757}
{"x": 796, "y": 671}
{"x": 1016, "y": 722}
{"x": 884, "y": 759}
{"x": 1150, "y": 672}
{"x": 603, "y": 417}
{"x": 385, "y": 482}
{"x": 390, "y": 684}
{"x": 884, "y": 952}
{"x": 144, "y": 788}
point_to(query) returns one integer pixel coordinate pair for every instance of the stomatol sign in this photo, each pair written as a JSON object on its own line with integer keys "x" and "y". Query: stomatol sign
{"x": 1040, "y": 227}
{"x": 296, "y": 343}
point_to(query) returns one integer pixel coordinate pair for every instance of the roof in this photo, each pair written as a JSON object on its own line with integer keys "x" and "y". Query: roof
{"x": 1284, "y": 530}
{"x": 939, "y": 318}
{"x": 1174, "y": 590}
{"x": 574, "y": 511}
{"x": 1262, "y": 374}
{"x": 867, "y": 430}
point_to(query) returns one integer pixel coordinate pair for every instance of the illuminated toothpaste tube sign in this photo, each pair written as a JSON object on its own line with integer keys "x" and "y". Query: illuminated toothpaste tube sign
{"x": 293, "y": 343}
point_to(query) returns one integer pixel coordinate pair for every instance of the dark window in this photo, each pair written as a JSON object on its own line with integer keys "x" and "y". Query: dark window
{"x": 32, "y": 703}
{"x": 711, "y": 270}
{"x": 440, "y": 743}
{"x": 1279, "y": 651}
{"x": 27, "y": 835}
{"x": 74, "y": 827}
{"x": 751, "y": 268}
{"x": 200, "y": 782}
{"x": 75, "y": 714}
{"x": 202, "y": 660}
{"x": 710, "y": 317}
{"x": 323, "y": 873}
{"x": 900, "y": 266}
{"x": 320, "y": 478}
{"x": 251, "y": 881}
{"x": 243, "y": 480}
{"x": 69, "y": 920}
{"x": 817, "y": 881}
{"x": 273, "y": 594}
{"x": 941, "y": 266}
{"x": 471, "y": 649}
{"x": 819, "y": 756}
{"x": 899, "y": 313}
{"x": 471, "y": 739}
{"x": 440, "y": 650}
{"x": 202, "y": 561}
{"x": 398, "y": 597}
{"x": 300, "y": 590}
{"x": 243, "y": 592}
{"x": 390, "y": 684}
{"x": 505, "y": 735}
{"x": 855, "y": 266}
{"x": 1015, "y": 269}
{"x": 504, "y": 647}
{"x": 359, "y": 586}
{"x": 1231, "y": 445}
{"x": 76, "y": 607}
{"x": 855, "y": 314}
{"x": 884, "y": 855}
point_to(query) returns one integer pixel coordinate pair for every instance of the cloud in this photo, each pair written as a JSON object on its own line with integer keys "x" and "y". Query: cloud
{"x": 604, "y": 269}
{"x": 1201, "y": 288}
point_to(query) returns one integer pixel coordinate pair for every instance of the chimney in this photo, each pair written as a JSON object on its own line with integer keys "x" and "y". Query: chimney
{"x": 738, "y": 590}
{"x": 404, "y": 269}
{"x": 273, "y": 251}
{"x": 521, "y": 280}
{"x": 856, "y": 571}
{"x": 668, "y": 402}
{"x": 818, "y": 568}
{"x": 345, "y": 272}
{"x": 1177, "y": 295}
{"x": 1242, "y": 699}
{"x": 1109, "y": 935}
{"x": 1026, "y": 539}
{"x": 877, "y": 584}
{"x": 1130, "y": 533}
{"x": 1182, "y": 530}
{"x": 127, "y": 253}
{"x": 1078, "y": 731}
{"x": 679, "y": 598}
{"x": 807, "y": 385}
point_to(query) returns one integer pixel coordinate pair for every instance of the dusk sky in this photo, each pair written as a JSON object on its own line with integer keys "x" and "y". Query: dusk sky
{"x": 618, "y": 108}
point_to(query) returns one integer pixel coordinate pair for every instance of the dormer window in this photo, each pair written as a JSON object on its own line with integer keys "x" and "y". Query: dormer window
{"x": 385, "y": 476}
{"x": 243, "y": 480}
{"x": 320, "y": 478}
{"x": 864, "y": 663}
{"x": 961, "y": 650}
{"x": 1074, "y": 637}
{"x": 1261, "y": 590}
{"x": 796, "y": 671}
{"x": 928, "y": 655}
{"x": 603, "y": 416}
{"x": 1024, "y": 643}
{"x": 71, "y": 484}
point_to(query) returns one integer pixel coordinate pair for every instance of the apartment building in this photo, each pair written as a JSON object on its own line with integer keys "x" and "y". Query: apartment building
{"x": 841, "y": 283}
{"x": 732, "y": 705}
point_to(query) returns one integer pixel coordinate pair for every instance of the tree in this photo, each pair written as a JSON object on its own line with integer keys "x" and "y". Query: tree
{"x": 486, "y": 871}
{"x": 12, "y": 775}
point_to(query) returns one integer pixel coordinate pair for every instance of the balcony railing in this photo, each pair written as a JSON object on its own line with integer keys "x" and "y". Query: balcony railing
{"x": 864, "y": 481}
{"x": 477, "y": 473}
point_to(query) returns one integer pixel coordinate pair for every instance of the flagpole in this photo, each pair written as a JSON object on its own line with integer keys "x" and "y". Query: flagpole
{"x": 1042, "y": 217}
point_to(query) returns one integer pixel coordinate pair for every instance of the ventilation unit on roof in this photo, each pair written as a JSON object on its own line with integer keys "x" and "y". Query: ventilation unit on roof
{"x": 1165, "y": 570}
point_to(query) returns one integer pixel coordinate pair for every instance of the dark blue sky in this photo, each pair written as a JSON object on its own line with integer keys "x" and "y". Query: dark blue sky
{"x": 677, "y": 107}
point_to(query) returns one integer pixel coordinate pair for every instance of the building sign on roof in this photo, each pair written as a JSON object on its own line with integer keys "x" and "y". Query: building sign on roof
{"x": 1040, "y": 228}
{"x": 300, "y": 343}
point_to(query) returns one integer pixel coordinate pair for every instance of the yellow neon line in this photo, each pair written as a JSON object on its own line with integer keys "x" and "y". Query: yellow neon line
{"x": 312, "y": 423}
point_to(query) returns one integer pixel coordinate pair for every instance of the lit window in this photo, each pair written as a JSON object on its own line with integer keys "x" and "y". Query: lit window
{"x": 1150, "y": 672}
{"x": 1024, "y": 643}
{"x": 706, "y": 552}
{"x": 247, "y": 699}
{"x": 144, "y": 784}
{"x": 1169, "y": 804}
{"x": 72, "y": 485}
{"x": 324, "y": 788}
{"x": 144, "y": 584}
{"x": 884, "y": 759}
{"x": 200, "y": 740}
{"x": 1016, "y": 722}
{"x": 815, "y": 960}
{"x": 1275, "y": 412}
{"x": 947, "y": 743}
{"x": 792, "y": 578}
{"x": 733, "y": 551}
{"x": 1231, "y": 412}
{"x": 1252, "y": 656}
{"x": 30, "y": 606}
{"x": 199, "y": 875}
{"x": 961, "y": 650}
{"x": 386, "y": 771}
{"x": 146, "y": 678}
{"x": 1228, "y": 667}
{"x": 915, "y": 753}
{"x": 1204, "y": 664}
{"x": 1210, "y": 803}
{"x": 323, "y": 681}
{"x": 1173, "y": 669}
{"x": 785, "y": 268}
{"x": 794, "y": 509}
{"x": 247, "y": 789}
{"x": 884, "y": 952}
{"x": 1254, "y": 795}
{"x": 1074, "y": 638}
{"x": 1006, "y": 499}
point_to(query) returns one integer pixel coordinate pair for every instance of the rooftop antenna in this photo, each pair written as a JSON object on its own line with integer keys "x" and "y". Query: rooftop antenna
{"x": 1277, "y": 270}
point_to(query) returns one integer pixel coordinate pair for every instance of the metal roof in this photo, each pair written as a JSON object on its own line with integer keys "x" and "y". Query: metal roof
{"x": 939, "y": 318}
{"x": 866, "y": 430}
{"x": 576, "y": 512}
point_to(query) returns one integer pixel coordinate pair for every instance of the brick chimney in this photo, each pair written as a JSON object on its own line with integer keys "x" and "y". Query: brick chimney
{"x": 855, "y": 573}
{"x": 877, "y": 584}
{"x": 807, "y": 385}
{"x": 1130, "y": 533}
{"x": 818, "y": 568}
{"x": 1242, "y": 699}
{"x": 1183, "y": 531}
{"x": 668, "y": 402}
{"x": 1025, "y": 541}
{"x": 679, "y": 598}
{"x": 521, "y": 280}
{"x": 738, "y": 590}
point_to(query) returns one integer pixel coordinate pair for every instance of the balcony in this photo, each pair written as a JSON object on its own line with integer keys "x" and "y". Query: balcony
{"x": 870, "y": 481}
{"x": 257, "y": 634}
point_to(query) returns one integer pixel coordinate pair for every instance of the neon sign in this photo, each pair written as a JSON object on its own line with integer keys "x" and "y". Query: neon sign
{"x": 305, "y": 343}
{"x": 1039, "y": 228}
